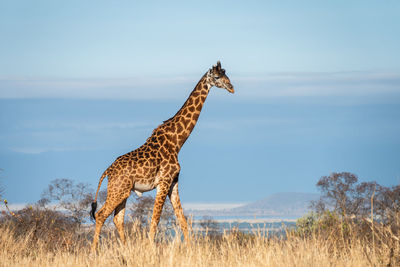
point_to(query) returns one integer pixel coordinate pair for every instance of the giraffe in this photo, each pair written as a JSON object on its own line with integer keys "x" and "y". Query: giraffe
{"x": 155, "y": 164}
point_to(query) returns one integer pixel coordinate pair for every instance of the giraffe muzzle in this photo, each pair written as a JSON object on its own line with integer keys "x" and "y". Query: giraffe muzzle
{"x": 230, "y": 89}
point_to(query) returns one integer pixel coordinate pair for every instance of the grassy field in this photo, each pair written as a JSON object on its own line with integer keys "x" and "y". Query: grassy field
{"x": 228, "y": 249}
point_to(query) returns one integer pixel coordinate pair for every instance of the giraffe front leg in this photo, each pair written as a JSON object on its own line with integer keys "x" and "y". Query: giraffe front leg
{"x": 176, "y": 204}
{"x": 162, "y": 192}
{"x": 119, "y": 214}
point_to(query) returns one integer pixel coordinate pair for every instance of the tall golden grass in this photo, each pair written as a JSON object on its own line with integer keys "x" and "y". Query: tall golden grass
{"x": 230, "y": 249}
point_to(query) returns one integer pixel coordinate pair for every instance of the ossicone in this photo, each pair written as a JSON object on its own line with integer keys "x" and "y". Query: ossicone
{"x": 219, "y": 65}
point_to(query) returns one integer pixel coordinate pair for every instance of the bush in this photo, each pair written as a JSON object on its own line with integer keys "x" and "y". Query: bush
{"x": 51, "y": 228}
{"x": 307, "y": 224}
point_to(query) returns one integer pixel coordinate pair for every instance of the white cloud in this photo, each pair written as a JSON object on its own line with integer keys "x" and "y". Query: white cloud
{"x": 320, "y": 84}
{"x": 62, "y": 136}
{"x": 84, "y": 125}
{"x": 270, "y": 85}
{"x": 129, "y": 88}
{"x": 42, "y": 149}
{"x": 235, "y": 123}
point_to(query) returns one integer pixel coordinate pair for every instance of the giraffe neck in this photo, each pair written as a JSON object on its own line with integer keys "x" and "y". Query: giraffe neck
{"x": 182, "y": 124}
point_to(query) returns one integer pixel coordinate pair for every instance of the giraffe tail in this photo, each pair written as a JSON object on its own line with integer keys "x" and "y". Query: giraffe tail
{"x": 93, "y": 211}
{"x": 94, "y": 203}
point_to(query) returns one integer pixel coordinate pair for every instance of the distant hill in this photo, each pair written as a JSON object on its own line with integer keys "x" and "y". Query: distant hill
{"x": 280, "y": 204}
{"x": 275, "y": 205}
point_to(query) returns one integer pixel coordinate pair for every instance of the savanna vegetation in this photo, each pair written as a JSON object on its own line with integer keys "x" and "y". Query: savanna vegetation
{"x": 353, "y": 224}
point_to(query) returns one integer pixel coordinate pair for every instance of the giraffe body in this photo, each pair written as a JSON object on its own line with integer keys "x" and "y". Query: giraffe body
{"x": 155, "y": 164}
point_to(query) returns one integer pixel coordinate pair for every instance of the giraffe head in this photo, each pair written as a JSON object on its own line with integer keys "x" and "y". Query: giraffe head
{"x": 216, "y": 77}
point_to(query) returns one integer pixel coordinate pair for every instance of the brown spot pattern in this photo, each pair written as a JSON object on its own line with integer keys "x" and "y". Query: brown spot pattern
{"x": 154, "y": 164}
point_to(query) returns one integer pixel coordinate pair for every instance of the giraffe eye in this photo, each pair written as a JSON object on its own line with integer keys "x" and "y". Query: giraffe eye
{"x": 216, "y": 77}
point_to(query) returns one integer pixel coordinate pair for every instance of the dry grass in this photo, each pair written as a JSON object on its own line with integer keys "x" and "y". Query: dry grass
{"x": 230, "y": 249}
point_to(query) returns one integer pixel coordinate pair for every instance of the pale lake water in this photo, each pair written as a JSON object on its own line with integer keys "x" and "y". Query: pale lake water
{"x": 262, "y": 225}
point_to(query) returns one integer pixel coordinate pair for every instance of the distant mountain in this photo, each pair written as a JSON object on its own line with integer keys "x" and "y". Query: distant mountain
{"x": 275, "y": 205}
{"x": 280, "y": 204}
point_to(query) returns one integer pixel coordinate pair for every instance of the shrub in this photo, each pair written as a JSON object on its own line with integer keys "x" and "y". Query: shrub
{"x": 52, "y": 228}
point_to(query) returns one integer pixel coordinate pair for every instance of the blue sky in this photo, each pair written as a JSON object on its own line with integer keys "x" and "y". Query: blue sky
{"x": 317, "y": 90}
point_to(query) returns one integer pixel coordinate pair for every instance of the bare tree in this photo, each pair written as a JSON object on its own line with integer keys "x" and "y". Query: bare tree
{"x": 387, "y": 204}
{"x": 362, "y": 199}
{"x": 102, "y": 196}
{"x": 142, "y": 209}
{"x": 74, "y": 198}
{"x": 342, "y": 193}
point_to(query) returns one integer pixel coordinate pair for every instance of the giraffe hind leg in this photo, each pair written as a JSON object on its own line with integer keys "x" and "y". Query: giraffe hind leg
{"x": 114, "y": 200}
{"x": 101, "y": 217}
